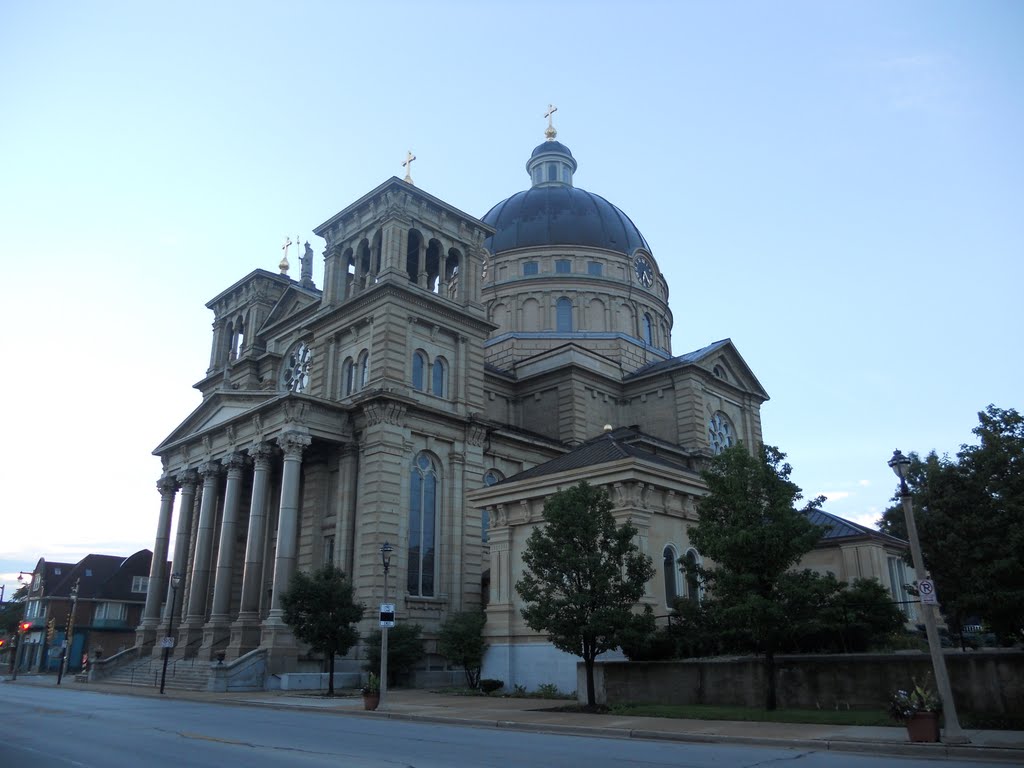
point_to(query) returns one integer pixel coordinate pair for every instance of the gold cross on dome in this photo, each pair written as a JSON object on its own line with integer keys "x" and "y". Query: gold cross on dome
{"x": 550, "y": 132}
{"x": 409, "y": 157}
{"x": 283, "y": 266}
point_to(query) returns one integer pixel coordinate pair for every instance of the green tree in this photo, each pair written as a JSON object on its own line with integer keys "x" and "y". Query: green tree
{"x": 584, "y": 576}
{"x": 405, "y": 650}
{"x": 12, "y": 611}
{"x": 462, "y": 641}
{"x": 749, "y": 527}
{"x": 970, "y": 520}
{"x": 321, "y": 610}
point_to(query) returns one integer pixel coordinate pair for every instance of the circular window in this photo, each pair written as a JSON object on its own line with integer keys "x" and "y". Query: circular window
{"x": 295, "y": 376}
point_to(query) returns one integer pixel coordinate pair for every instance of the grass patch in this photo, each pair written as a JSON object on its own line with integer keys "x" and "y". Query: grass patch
{"x": 745, "y": 714}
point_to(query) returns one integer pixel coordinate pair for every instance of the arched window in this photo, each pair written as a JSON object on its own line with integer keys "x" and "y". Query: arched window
{"x": 439, "y": 377}
{"x": 563, "y": 315}
{"x": 648, "y": 329}
{"x": 362, "y": 369}
{"x": 671, "y": 567}
{"x": 346, "y": 377}
{"x": 692, "y": 582}
{"x": 238, "y": 339}
{"x": 491, "y": 476}
{"x": 423, "y": 487}
{"x": 419, "y": 371}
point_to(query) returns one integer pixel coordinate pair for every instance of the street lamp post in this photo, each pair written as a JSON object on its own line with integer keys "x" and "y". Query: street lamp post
{"x": 900, "y": 465}
{"x": 385, "y": 557}
{"x": 175, "y": 583}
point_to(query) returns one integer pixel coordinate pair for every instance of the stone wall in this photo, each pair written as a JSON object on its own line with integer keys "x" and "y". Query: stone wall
{"x": 982, "y": 681}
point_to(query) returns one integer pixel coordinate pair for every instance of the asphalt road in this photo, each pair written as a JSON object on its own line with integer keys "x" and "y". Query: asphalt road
{"x": 48, "y": 728}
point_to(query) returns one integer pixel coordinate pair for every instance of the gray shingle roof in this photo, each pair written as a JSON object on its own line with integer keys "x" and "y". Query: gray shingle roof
{"x": 618, "y": 444}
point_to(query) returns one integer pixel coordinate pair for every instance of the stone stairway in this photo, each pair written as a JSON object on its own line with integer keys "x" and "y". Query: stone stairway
{"x": 182, "y": 674}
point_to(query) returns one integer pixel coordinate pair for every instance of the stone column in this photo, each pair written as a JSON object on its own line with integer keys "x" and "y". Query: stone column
{"x": 421, "y": 264}
{"x": 245, "y": 634}
{"x": 216, "y": 630}
{"x": 195, "y": 616}
{"x": 146, "y": 634}
{"x": 276, "y": 635}
{"x": 187, "y": 480}
{"x": 344, "y": 526}
{"x": 293, "y": 444}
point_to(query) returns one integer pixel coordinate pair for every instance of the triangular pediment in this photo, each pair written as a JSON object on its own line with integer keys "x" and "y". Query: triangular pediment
{"x": 215, "y": 411}
{"x": 295, "y": 304}
{"x": 720, "y": 359}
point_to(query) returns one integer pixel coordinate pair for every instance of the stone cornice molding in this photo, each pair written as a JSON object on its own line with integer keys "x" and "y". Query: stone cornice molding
{"x": 385, "y": 412}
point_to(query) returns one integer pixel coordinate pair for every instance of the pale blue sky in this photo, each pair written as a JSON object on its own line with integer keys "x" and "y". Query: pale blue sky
{"x": 835, "y": 186}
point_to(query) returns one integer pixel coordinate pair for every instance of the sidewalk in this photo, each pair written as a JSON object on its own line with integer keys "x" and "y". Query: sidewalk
{"x": 529, "y": 714}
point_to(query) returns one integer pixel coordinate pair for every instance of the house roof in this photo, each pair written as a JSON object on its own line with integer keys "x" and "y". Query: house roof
{"x": 836, "y": 528}
{"x": 617, "y": 444}
{"x": 106, "y": 577}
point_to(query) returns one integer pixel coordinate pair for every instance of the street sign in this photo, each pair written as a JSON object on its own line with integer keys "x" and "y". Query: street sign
{"x": 387, "y": 615}
{"x": 926, "y": 588}
{"x": 166, "y": 642}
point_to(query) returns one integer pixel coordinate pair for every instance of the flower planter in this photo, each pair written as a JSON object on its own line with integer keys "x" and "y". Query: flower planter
{"x": 371, "y": 700}
{"x": 923, "y": 726}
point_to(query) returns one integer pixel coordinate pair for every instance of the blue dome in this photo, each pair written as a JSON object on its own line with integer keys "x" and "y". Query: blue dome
{"x": 551, "y": 146}
{"x": 559, "y": 214}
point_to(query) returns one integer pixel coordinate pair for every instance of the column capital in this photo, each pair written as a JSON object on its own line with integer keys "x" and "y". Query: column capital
{"x": 234, "y": 463}
{"x": 167, "y": 485}
{"x": 187, "y": 477}
{"x": 260, "y": 453}
{"x": 210, "y": 469}
{"x": 293, "y": 444}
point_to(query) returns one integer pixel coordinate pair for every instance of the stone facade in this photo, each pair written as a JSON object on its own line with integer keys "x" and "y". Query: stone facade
{"x": 445, "y": 359}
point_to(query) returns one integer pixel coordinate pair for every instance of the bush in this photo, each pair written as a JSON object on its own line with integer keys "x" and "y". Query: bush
{"x": 405, "y": 650}
{"x": 462, "y": 642}
{"x": 659, "y": 645}
{"x": 489, "y": 685}
{"x": 548, "y": 691}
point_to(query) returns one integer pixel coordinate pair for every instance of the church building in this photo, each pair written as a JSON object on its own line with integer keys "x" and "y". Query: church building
{"x": 450, "y": 374}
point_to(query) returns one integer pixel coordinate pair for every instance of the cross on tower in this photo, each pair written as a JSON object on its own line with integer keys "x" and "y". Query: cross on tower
{"x": 283, "y": 266}
{"x": 550, "y": 132}
{"x": 409, "y": 157}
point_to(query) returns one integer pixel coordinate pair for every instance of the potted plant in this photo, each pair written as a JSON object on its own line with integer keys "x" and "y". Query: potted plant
{"x": 919, "y": 708}
{"x": 371, "y": 692}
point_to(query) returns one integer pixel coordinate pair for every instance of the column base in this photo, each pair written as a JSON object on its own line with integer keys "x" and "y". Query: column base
{"x": 282, "y": 651}
{"x": 146, "y": 634}
{"x": 216, "y": 634}
{"x": 190, "y": 636}
{"x": 245, "y": 635}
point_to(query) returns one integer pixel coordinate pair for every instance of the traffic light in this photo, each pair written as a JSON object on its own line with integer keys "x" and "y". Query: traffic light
{"x": 25, "y": 626}
{"x": 3, "y": 642}
{"x": 51, "y": 627}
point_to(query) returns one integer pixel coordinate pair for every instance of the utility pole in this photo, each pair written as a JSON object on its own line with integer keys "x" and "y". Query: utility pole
{"x": 69, "y": 628}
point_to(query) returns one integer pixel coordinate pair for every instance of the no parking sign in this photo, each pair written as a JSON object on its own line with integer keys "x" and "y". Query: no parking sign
{"x": 926, "y": 588}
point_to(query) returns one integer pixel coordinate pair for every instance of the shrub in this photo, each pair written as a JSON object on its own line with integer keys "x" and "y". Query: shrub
{"x": 548, "y": 691}
{"x": 489, "y": 685}
{"x": 405, "y": 649}
{"x": 462, "y": 642}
